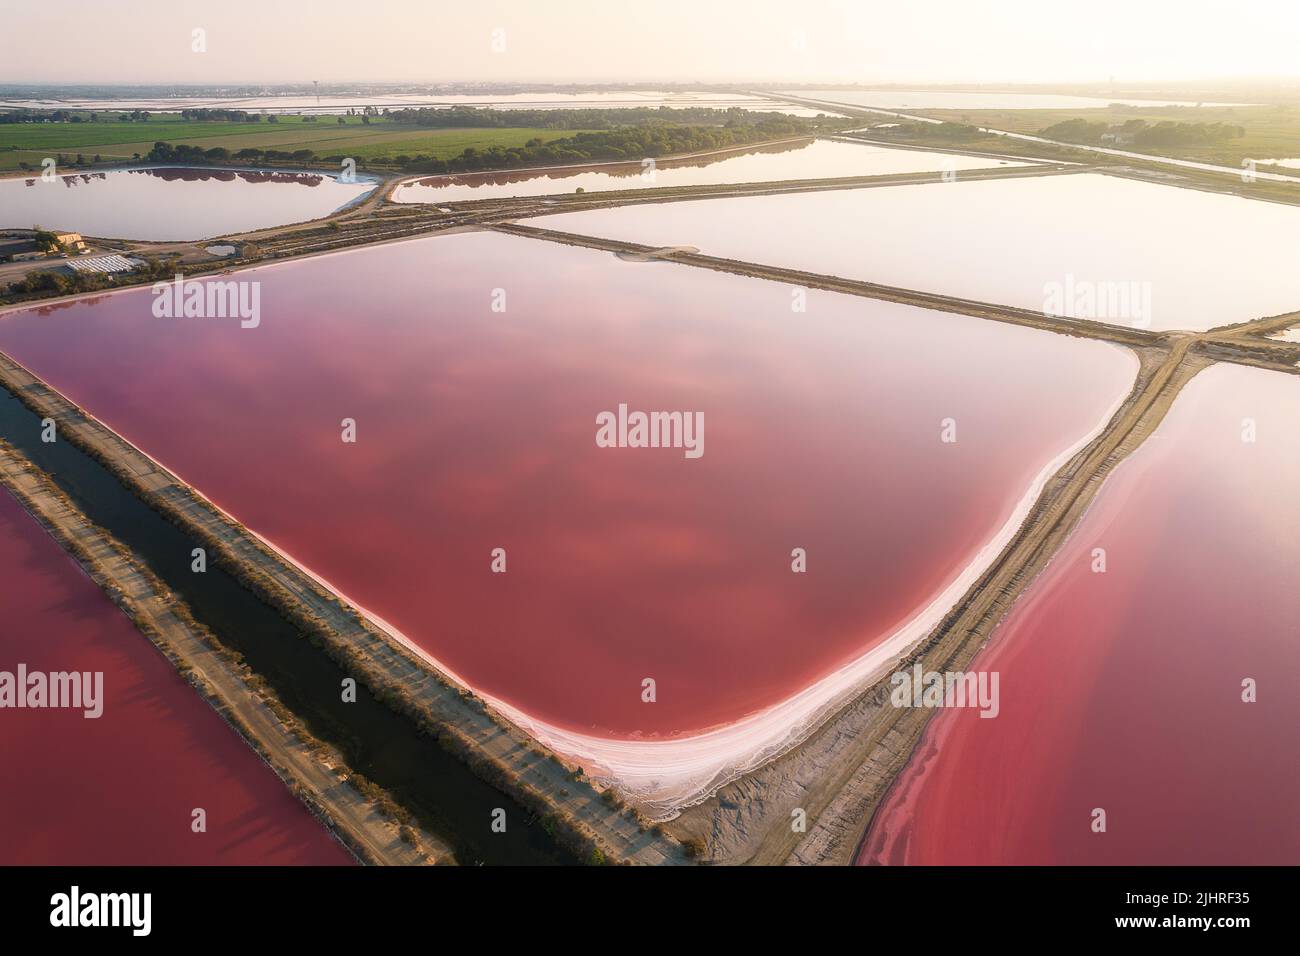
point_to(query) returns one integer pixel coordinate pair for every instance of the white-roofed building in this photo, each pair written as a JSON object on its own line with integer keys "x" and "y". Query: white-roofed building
{"x": 113, "y": 263}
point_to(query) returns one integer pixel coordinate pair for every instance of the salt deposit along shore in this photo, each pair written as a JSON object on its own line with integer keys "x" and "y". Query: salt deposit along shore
{"x": 661, "y": 777}
{"x": 664, "y": 776}
{"x": 709, "y": 748}
{"x": 496, "y": 750}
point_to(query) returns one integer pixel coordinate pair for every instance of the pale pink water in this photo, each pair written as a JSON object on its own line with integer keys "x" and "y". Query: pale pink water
{"x": 1067, "y": 244}
{"x": 120, "y": 789}
{"x": 1122, "y": 691}
{"x": 163, "y": 203}
{"x": 476, "y": 430}
{"x": 816, "y": 159}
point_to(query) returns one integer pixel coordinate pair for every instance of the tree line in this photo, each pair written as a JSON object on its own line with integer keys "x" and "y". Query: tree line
{"x": 48, "y": 282}
{"x": 588, "y": 119}
{"x": 631, "y": 143}
{"x": 1140, "y": 133}
{"x": 25, "y": 115}
{"x": 932, "y": 132}
{"x": 184, "y": 153}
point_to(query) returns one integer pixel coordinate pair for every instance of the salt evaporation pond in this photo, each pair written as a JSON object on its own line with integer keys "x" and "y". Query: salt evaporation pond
{"x": 816, "y": 159}
{"x": 476, "y": 430}
{"x": 1123, "y": 690}
{"x": 1124, "y": 252}
{"x": 173, "y": 203}
{"x": 119, "y": 789}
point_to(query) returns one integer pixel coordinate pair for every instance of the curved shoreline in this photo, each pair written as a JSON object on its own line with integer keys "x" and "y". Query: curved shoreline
{"x": 373, "y": 181}
{"x": 497, "y": 751}
{"x": 664, "y": 777}
{"x": 405, "y": 181}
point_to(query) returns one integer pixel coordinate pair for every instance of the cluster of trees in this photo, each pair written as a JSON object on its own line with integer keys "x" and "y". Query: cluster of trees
{"x": 468, "y": 116}
{"x": 65, "y": 161}
{"x": 627, "y": 142}
{"x": 58, "y": 283}
{"x": 243, "y": 116}
{"x": 49, "y": 282}
{"x": 24, "y": 115}
{"x": 39, "y": 116}
{"x": 183, "y": 153}
{"x": 1140, "y": 133}
{"x": 204, "y": 115}
{"x": 933, "y": 132}
{"x": 46, "y": 241}
{"x": 1188, "y": 134}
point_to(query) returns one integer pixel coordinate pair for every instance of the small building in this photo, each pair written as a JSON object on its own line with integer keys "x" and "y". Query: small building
{"x": 72, "y": 242}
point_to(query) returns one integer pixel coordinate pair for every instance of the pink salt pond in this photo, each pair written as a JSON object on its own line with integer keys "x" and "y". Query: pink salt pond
{"x": 121, "y": 788}
{"x": 1123, "y": 691}
{"x": 475, "y": 368}
{"x": 173, "y": 202}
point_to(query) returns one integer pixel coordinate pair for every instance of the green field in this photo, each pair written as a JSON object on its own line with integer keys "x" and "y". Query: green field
{"x": 1272, "y": 132}
{"x": 113, "y": 140}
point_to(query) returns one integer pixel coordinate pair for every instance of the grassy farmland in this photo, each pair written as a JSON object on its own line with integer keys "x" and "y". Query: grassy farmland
{"x": 1272, "y": 132}
{"x": 113, "y": 140}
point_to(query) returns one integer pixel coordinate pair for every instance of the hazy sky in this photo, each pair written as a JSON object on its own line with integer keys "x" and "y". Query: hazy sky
{"x": 278, "y": 41}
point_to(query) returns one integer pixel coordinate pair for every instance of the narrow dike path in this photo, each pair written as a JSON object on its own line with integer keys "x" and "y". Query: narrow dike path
{"x": 443, "y": 795}
{"x": 313, "y": 771}
{"x": 840, "y": 775}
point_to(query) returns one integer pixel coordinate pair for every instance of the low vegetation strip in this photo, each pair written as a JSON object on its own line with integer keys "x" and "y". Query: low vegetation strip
{"x": 418, "y": 140}
{"x": 592, "y": 823}
{"x": 1214, "y": 134}
{"x": 361, "y": 816}
{"x": 1141, "y": 135}
{"x": 626, "y": 141}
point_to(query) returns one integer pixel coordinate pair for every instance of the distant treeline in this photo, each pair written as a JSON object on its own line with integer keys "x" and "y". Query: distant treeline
{"x": 1140, "y": 133}
{"x": 200, "y": 115}
{"x": 622, "y": 143}
{"x": 465, "y": 116}
{"x": 227, "y": 116}
{"x": 183, "y": 153}
{"x": 24, "y": 115}
{"x": 933, "y": 132}
{"x": 206, "y": 115}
